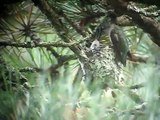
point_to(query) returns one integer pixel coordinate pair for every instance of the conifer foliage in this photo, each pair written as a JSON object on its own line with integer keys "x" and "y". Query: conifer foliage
{"x": 79, "y": 60}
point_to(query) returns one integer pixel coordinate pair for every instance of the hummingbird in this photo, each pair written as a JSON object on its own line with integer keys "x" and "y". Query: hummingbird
{"x": 110, "y": 33}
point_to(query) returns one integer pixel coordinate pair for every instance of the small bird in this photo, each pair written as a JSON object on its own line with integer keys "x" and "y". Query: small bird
{"x": 108, "y": 32}
{"x": 120, "y": 45}
{"x": 95, "y": 45}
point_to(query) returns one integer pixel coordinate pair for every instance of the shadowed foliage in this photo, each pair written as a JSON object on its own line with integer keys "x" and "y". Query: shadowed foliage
{"x": 79, "y": 60}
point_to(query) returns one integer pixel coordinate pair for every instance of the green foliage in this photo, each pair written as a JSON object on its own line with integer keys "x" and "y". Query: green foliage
{"x": 46, "y": 83}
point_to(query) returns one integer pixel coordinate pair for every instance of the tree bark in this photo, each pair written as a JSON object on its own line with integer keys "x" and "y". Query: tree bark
{"x": 148, "y": 2}
{"x": 149, "y": 25}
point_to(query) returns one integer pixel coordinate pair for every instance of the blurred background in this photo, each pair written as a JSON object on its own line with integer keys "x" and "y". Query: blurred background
{"x": 49, "y": 72}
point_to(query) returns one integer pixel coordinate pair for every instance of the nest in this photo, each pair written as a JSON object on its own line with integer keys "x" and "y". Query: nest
{"x": 102, "y": 66}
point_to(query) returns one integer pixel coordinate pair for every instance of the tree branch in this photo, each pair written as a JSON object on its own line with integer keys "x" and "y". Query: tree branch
{"x": 148, "y": 2}
{"x": 147, "y": 24}
{"x": 137, "y": 86}
{"x": 33, "y": 45}
{"x": 54, "y": 53}
{"x": 137, "y": 58}
{"x": 61, "y": 30}
{"x": 30, "y": 69}
{"x": 61, "y": 61}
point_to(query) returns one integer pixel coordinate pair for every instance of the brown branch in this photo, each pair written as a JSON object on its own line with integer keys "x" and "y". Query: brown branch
{"x": 148, "y": 2}
{"x": 147, "y": 24}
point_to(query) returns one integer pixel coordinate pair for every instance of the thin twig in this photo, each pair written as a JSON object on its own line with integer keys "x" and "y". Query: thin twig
{"x": 33, "y": 45}
{"x": 83, "y": 70}
{"x": 137, "y": 86}
{"x": 137, "y": 58}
